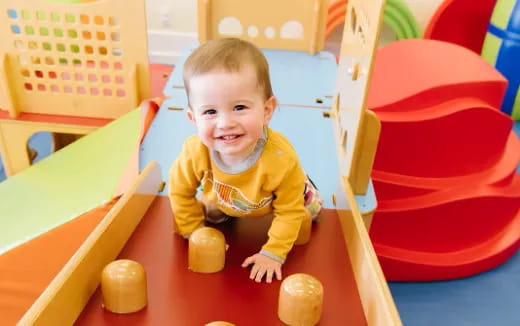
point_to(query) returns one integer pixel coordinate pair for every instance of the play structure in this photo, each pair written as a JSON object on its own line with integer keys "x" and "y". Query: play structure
{"x": 434, "y": 145}
{"x": 84, "y": 223}
{"x": 68, "y": 69}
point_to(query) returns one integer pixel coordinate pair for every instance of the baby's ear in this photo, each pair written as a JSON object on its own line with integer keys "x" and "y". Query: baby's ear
{"x": 190, "y": 115}
{"x": 269, "y": 107}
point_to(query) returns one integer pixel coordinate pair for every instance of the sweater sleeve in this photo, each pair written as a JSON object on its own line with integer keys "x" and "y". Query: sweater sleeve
{"x": 289, "y": 210}
{"x": 184, "y": 180}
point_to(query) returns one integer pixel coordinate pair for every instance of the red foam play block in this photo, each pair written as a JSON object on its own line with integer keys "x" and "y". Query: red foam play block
{"x": 447, "y": 234}
{"x": 416, "y": 74}
{"x": 450, "y": 220}
{"x": 407, "y": 265}
{"x": 462, "y": 22}
{"x": 437, "y": 103}
{"x": 444, "y": 171}
{"x": 458, "y": 139}
{"x": 390, "y": 185}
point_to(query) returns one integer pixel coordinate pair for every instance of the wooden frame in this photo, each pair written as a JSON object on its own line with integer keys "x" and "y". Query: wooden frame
{"x": 66, "y": 296}
{"x": 76, "y": 59}
{"x": 15, "y": 135}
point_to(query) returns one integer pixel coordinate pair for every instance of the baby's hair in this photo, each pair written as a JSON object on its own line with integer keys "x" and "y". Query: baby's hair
{"x": 229, "y": 54}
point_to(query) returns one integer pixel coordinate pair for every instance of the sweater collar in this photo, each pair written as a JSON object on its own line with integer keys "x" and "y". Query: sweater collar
{"x": 245, "y": 164}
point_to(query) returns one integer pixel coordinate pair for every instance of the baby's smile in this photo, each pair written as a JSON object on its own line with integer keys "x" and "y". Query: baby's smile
{"x": 229, "y": 137}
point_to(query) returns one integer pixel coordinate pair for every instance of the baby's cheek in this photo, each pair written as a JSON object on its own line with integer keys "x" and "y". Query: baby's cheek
{"x": 206, "y": 134}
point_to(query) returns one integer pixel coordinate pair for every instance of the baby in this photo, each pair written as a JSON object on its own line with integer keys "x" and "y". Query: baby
{"x": 245, "y": 168}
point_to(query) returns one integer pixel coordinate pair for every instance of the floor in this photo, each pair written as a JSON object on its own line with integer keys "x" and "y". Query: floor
{"x": 487, "y": 299}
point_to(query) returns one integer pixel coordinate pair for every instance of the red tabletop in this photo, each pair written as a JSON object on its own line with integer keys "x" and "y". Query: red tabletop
{"x": 178, "y": 296}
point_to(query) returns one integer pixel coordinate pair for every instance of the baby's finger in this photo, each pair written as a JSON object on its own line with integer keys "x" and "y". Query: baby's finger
{"x": 260, "y": 274}
{"x": 253, "y": 272}
{"x": 278, "y": 272}
{"x": 248, "y": 261}
{"x": 269, "y": 275}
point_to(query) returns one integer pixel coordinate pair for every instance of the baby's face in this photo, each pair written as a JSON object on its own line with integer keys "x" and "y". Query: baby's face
{"x": 229, "y": 111}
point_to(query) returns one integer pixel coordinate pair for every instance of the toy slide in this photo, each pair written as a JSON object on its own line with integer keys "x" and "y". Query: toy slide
{"x": 58, "y": 195}
{"x": 99, "y": 167}
{"x": 27, "y": 270}
{"x": 445, "y": 166}
{"x": 463, "y": 22}
{"x": 64, "y": 298}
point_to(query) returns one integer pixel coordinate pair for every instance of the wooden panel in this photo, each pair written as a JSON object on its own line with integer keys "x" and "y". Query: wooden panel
{"x": 375, "y": 296}
{"x": 75, "y": 59}
{"x": 271, "y": 24}
{"x": 365, "y": 152}
{"x": 360, "y": 38}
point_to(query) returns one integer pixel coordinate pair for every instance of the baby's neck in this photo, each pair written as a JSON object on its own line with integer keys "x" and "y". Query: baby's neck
{"x": 231, "y": 161}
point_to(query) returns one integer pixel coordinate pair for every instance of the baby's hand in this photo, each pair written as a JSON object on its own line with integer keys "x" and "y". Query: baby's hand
{"x": 263, "y": 265}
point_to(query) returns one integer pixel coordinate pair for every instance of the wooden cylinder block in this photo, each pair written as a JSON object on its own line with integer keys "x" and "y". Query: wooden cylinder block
{"x": 207, "y": 250}
{"x": 305, "y": 230}
{"x": 123, "y": 285}
{"x": 300, "y": 301}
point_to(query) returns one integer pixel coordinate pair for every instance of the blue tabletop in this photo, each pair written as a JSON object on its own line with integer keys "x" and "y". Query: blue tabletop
{"x": 298, "y": 79}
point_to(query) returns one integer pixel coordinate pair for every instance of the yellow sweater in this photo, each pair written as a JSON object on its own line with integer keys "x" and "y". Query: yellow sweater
{"x": 273, "y": 184}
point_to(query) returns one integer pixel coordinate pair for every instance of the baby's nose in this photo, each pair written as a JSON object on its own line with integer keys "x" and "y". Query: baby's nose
{"x": 225, "y": 121}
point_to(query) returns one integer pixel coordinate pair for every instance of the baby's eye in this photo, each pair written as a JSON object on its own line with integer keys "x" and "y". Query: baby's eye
{"x": 209, "y": 112}
{"x": 240, "y": 107}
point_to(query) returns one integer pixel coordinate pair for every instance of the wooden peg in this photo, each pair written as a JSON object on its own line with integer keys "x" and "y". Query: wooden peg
{"x": 207, "y": 250}
{"x": 300, "y": 301}
{"x": 123, "y": 285}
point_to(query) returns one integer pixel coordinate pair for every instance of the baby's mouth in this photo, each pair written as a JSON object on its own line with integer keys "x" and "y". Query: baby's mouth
{"x": 228, "y": 137}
